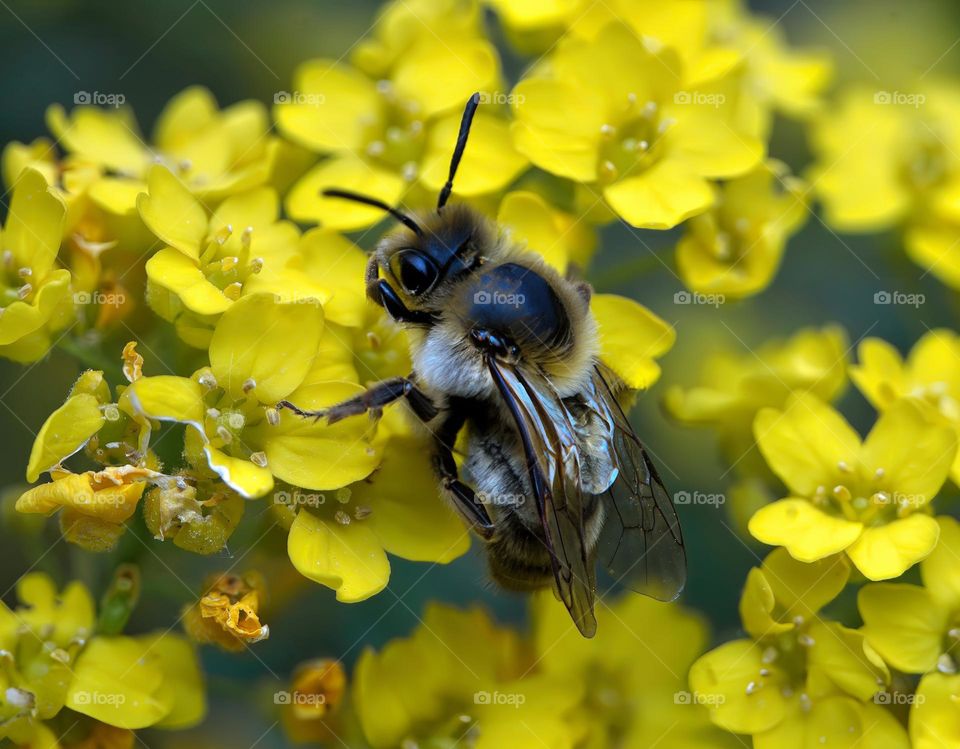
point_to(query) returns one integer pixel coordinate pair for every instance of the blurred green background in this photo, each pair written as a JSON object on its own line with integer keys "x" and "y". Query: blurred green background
{"x": 240, "y": 49}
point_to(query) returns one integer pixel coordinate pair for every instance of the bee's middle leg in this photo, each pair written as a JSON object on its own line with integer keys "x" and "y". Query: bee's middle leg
{"x": 373, "y": 399}
{"x": 464, "y": 498}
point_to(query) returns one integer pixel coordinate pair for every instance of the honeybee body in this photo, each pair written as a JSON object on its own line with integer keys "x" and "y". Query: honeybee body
{"x": 505, "y": 349}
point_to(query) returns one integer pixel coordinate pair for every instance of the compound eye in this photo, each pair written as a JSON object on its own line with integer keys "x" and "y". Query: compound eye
{"x": 415, "y": 271}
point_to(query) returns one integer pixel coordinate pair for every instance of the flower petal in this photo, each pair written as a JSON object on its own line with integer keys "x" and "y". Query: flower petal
{"x": 886, "y": 551}
{"x": 941, "y": 570}
{"x": 720, "y": 680}
{"x": 181, "y": 275}
{"x": 488, "y": 165}
{"x": 270, "y": 343}
{"x": 306, "y": 203}
{"x": 631, "y": 337}
{"x": 347, "y": 558}
{"x": 904, "y": 624}
{"x": 64, "y": 432}
{"x": 803, "y": 530}
{"x": 805, "y": 443}
{"x": 664, "y": 195}
{"x": 247, "y": 478}
{"x": 172, "y": 213}
{"x": 917, "y": 472}
{"x": 34, "y": 223}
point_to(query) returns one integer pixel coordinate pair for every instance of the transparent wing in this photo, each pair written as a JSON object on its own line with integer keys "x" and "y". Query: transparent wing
{"x": 640, "y": 544}
{"x": 553, "y": 462}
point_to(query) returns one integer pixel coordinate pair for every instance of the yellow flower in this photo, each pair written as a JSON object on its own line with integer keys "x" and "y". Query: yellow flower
{"x": 35, "y": 294}
{"x": 215, "y": 152}
{"x": 94, "y": 506}
{"x": 210, "y": 261}
{"x": 799, "y": 680}
{"x": 734, "y": 387}
{"x": 316, "y": 692}
{"x": 611, "y": 114}
{"x": 460, "y": 678}
{"x": 199, "y": 516}
{"x": 735, "y": 248}
{"x": 228, "y": 613}
{"x": 558, "y": 237}
{"x": 888, "y": 159}
{"x": 54, "y": 659}
{"x": 388, "y": 134}
{"x": 623, "y": 705}
{"x": 934, "y": 716}
{"x": 917, "y": 628}
{"x": 930, "y": 374}
{"x": 775, "y": 77}
{"x": 262, "y": 351}
{"x": 869, "y": 498}
{"x": 341, "y": 539}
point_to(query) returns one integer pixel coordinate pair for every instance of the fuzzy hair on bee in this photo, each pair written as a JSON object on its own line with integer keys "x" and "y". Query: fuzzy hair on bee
{"x": 506, "y": 349}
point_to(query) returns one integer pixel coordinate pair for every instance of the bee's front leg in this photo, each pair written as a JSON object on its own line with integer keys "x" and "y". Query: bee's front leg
{"x": 373, "y": 399}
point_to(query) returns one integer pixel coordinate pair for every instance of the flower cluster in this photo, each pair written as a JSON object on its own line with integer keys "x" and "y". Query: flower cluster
{"x": 200, "y": 278}
{"x": 67, "y": 672}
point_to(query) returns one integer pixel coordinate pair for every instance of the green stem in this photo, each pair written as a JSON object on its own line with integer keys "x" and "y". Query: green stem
{"x": 92, "y": 358}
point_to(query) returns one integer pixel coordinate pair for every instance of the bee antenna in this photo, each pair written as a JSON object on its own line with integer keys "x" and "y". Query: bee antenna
{"x": 400, "y": 216}
{"x": 465, "y": 122}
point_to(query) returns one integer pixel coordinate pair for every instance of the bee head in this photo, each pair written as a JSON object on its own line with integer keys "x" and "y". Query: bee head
{"x": 428, "y": 251}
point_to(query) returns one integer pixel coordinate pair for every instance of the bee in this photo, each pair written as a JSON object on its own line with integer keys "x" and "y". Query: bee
{"x": 504, "y": 347}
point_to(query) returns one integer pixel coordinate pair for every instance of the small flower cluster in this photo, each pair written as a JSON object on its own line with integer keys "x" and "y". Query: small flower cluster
{"x": 68, "y": 674}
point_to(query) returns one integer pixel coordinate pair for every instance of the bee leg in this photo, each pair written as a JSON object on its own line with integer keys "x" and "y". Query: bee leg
{"x": 373, "y": 400}
{"x": 464, "y": 498}
{"x": 382, "y": 293}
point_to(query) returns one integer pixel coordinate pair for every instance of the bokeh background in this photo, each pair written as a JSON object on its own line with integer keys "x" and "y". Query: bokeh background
{"x": 240, "y": 49}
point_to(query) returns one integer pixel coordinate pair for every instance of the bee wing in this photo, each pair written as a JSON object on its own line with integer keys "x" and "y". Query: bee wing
{"x": 640, "y": 543}
{"x": 553, "y": 463}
